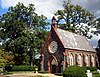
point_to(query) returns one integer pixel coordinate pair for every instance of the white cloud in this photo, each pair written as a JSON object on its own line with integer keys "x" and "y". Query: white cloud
{"x": 45, "y": 7}
{"x": 48, "y": 7}
{"x": 94, "y": 40}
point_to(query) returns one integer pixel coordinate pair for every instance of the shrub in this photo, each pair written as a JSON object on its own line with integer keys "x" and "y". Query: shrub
{"x": 23, "y": 68}
{"x": 95, "y": 72}
{"x": 91, "y": 68}
{"x": 1, "y": 69}
{"x": 96, "y": 75}
{"x": 74, "y": 71}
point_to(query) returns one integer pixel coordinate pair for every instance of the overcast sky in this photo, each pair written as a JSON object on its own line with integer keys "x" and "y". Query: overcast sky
{"x": 48, "y": 7}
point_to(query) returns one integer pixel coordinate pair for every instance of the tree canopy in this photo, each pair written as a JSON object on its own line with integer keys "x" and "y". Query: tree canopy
{"x": 98, "y": 47}
{"x": 22, "y": 31}
{"x": 97, "y": 26}
{"x": 75, "y": 19}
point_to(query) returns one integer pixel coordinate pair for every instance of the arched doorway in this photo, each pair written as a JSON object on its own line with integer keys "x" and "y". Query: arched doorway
{"x": 52, "y": 65}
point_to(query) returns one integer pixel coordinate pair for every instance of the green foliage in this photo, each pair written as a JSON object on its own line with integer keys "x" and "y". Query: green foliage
{"x": 23, "y": 68}
{"x": 5, "y": 58}
{"x": 96, "y": 75}
{"x": 1, "y": 70}
{"x": 74, "y": 71}
{"x": 97, "y": 26}
{"x": 91, "y": 68}
{"x": 74, "y": 16}
{"x": 22, "y": 33}
{"x": 2, "y": 60}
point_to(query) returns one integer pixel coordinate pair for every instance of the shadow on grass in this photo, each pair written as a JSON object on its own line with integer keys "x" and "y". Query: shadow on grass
{"x": 59, "y": 74}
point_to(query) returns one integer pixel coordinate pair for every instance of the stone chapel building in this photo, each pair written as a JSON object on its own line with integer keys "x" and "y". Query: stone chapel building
{"x": 63, "y": 49}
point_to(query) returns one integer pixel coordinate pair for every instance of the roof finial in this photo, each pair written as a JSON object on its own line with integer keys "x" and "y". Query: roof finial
{"x": 54, "y": 23}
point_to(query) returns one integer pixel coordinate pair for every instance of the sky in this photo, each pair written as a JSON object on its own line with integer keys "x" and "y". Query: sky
{"x": 48, "y": 8}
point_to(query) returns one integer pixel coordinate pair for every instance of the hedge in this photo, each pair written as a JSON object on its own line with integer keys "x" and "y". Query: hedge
{"x": 91, "y": 68}
{"x": 74, "y": 71}
{"x": 23, "y": 68}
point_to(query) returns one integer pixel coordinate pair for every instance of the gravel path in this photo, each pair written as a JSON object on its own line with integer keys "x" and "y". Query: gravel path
{"x": 29, "y": 74}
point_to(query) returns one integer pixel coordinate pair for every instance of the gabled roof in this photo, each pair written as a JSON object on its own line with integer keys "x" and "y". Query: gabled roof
{"x": 74, "y": 41}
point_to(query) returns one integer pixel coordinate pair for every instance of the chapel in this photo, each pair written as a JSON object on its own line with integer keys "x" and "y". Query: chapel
{"x": 63, "y": 49}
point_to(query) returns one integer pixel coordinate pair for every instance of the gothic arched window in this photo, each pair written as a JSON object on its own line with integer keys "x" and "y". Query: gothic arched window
{"x": 92, "y": 60}
{"x": 71, "y": 59}
{"x": 86, "y": 60}
{"x": 79, "y": 60}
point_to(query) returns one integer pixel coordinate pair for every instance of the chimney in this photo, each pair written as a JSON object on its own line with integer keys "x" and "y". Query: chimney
{"x": 54, "y": 23}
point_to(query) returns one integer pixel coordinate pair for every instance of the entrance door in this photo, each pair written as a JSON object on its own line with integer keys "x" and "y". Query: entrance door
{"x": 53, "y": 68}
{"x": 52, "y": 65}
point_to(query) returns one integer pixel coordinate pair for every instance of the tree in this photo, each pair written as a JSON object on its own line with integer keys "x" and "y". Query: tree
{"x": 98, "y": 51}
{"x": 2, "y": 60}
{"x": 74, "y": 18}
{"x": 20, "y": 31}
{"x": 97, "y": 26}
{"x": 5, "y": 59}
